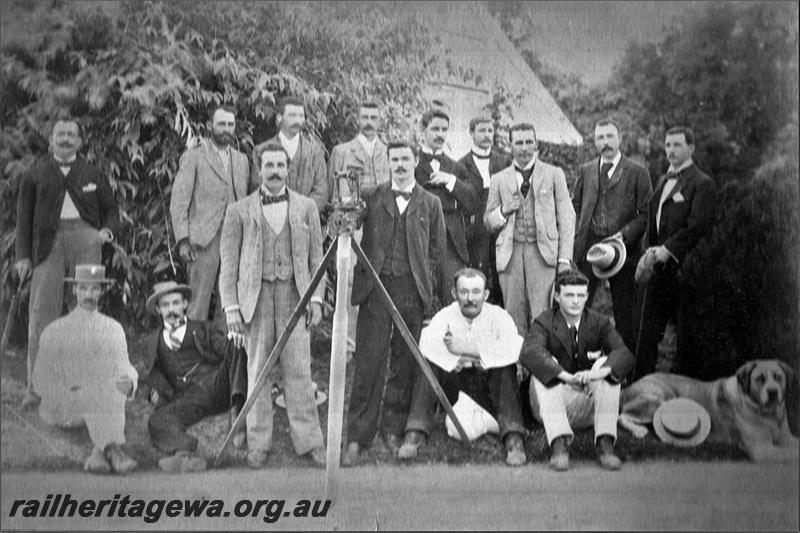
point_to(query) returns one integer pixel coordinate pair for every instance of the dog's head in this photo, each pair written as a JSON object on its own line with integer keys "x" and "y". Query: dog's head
{"x": 765, "y": 381}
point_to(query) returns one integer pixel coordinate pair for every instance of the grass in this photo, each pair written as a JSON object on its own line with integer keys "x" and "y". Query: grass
{"x": 29, "y": 444}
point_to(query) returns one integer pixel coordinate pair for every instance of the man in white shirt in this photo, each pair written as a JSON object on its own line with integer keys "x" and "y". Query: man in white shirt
{"x": 474, "y": 346}
{"x": 307, "y": 169}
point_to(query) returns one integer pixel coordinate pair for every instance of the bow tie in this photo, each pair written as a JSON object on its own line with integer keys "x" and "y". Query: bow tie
{"x": 429, "y": 157}
{"x": 404, "y": 194}
{"x": 479, "y": 156}
{"x": 673, "y": 175}
{"x": 177, "y": 325}
{"x": 267, "y": 199}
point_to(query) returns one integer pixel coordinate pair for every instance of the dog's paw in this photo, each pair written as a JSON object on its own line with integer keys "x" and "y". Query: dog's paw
{"x": 637, "y": 430}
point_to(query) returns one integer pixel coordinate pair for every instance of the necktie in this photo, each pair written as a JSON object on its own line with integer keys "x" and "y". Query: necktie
{"x": 526, "y": 180}
{"x": 479, "y": 156}
{"x": 405, "y": 195}
{"x": 430, "y": 157}
{"x": 174, "y": 341}
{"x": 267, "y": 199}
{"x": 605, "y": 168}
{"x": 573, "y": 335}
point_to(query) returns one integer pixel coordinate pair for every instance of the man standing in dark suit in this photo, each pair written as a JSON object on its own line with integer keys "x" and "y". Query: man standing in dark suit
{"x": 404, "y": 234}
{"x": 679, "y": 214}
{"x": 457, "y": 190}
{"x": 65, "y": 212}
{"x": 192, "y": 376}
{"x": 577, "y": 361}
{"x": 610, "y": 200}
{"x": 483, "y": 161}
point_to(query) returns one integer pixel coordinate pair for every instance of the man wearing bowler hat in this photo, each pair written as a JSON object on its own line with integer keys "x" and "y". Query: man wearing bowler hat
{"x": 84, "y": 376}
{"x": 193, "y": 375}
{"x": 610, "y": 200}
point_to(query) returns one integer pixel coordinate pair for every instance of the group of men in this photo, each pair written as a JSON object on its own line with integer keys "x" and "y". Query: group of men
{"x": 471, "y": 252}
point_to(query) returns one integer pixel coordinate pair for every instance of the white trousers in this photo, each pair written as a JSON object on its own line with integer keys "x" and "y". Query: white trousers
{"x": 102, "y": 410}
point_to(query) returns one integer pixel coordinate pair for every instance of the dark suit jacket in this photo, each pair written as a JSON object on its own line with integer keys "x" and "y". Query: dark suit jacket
{"x": 546, "y": 350}
{"x": 628, "y": 193}
{"x": 207, "y": 345}
{"x": 685, "y": 216}
{"x": 457, "y": 206}
{"x": 425, "y": 234}
{"x": 497, "y": 162}
{"x": 41, "y": 197}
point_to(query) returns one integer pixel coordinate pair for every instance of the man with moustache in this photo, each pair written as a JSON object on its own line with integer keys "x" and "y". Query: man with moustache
{"x": 474, "y": 347}
{"x": 307, "y": 170}
{"x": 484, "y": 160}
{"x": 211, "y": 176}
{"x": 368, "y": 153}
{"x": 271, "y": 243}
{"x": 457, "y": 190}
{"x": 404, "y": 236}
{"x": 573, "y": 385}
{"x": 529, "y": 205}
{"x": 680, "y": 212}
{"x": 66, "y": 211}
{"x": 193, "y": 375}
{"x": 84, "y": 375}
{"x": 610, "y": 200}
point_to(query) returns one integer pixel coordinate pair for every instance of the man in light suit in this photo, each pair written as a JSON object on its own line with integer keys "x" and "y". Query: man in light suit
{"x": 680, "y": 212}
{"x": 404, "y": 236}
{"x": 271, "y": 244}
{"x": 367, "y": 152}
{"x": 307, "y": 170}
{"x": 484, "y": 160}
{"x": 610, "y": 200}
{"x": 211, "y": 176}
{"x": 457, "y": 190}
{"x": 529, "y": 204}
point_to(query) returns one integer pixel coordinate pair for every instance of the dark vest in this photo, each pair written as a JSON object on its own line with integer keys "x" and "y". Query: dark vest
{"x": 396, "y": 262}
{"x": 525, "y": 221}
{"x": 599, "y": 223}
{"x": 277, "y": 252}
{"x": 180, "y": 362}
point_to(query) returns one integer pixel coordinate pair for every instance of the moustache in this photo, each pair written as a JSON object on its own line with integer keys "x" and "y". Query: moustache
{"x": 605, "y": 148}
{"x": 401, "y": 169}
{"x": 174, "y": 314}
{"x": 438, "y": 139}
{"x": 274, "y": 176}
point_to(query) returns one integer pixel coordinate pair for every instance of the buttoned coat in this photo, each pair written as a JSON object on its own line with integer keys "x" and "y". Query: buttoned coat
{"x": 352, "y": 153}
{"x": 629, "y": 191}
{"x": 307, "y": 169}
{"x": 425, "y": 237}
{"x": 241, "y": 250}
{"x": 553, "y": 211}
{"x": 202, "y": 191}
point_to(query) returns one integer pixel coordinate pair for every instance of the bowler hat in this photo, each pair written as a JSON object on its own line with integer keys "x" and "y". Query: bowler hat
{"x": 88, "y": 273}
{"x": 682, "y": 422}
{"x": 607, "y": 257}
{"x": 165, "y": 287}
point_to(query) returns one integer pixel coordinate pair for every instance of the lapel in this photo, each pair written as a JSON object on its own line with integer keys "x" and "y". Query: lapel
{"x": 561, "y": 332}
{"x": 294, "y": 164}
{"x": 536, "y": 178}
{"x": 213, "y": 161}
{"x": 682, "y": 179}
{"x": 294, "y": 213}
{"x": 472, "y": 167}
{"x": 357, "y": 151}
{"x": 387, "y": 200}
{"x": 239, "y": 169}
{"x": 414, "y": 202}
{"x": 254, "y": 207}
{"x": 616, "y": 177}
{"x": 496, "y": 162}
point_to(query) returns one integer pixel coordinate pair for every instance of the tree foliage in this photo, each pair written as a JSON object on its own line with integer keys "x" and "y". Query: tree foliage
{"x": 143, "y": 81}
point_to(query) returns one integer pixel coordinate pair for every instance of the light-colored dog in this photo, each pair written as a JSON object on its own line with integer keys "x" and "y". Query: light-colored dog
{"x": 747, "y": 410}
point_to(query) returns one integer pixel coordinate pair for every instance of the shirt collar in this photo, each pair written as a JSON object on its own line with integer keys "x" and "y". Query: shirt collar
{"x": 366, "y": 143}
{"x": 614, "y": 162}
{"x": 529, "y": 165}
{"x": 481, "y": 151}
{"x": 686, "y": 164}
{"x": 68, "y": 161}
{"x": 427, "y": 150}
{"x": 286, "y": 140}
{"x": 266, "y": 192}
{"x": 408, "y": 188}
{"x": 183, "y": 324}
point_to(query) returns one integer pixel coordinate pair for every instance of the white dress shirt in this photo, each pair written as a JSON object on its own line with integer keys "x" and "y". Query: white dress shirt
{"x": 401, "y": 202}
{"x": 68, "y": 211}
{"x": 668, "y": 186}
{"x": 518, "y": 174}
{"x": 614, "y": 162}
{"x": 483, "y": 164}
{"x": 290, "y": 145}
{"x": 178, "y": 334}
{"x": 275, "y": 213}
{"x": 224, "y": 155}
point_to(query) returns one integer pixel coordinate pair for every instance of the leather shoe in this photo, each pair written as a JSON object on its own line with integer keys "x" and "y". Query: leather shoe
{"x": 97, "y": 462}
{"x": 350, "y": 455}
{"x": 411, "y": 443}
{"x": 605, "y": 453}
{"x": 515, "y": 450}
{"x": 182, "y": 461}
{"x": 392, "y": 442}
{"x": 120, "y": 462}
{"x": 256, "y": 459}
{"x": 319, "y": 456}
{"x": 559, "y": 457}
{"x": 30, "y": 401}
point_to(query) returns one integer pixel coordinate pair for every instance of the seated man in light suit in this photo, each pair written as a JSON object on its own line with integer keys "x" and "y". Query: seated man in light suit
{"x": 571, "y": 386}
{"x": 271, "y": 243}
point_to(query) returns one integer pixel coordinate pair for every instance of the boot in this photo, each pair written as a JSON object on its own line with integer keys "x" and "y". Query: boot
{"x": 120, "y": 462}
{"x": 605, "y": 453}
{"x": 559, "y": 457}
{"x": 515, "y": 451}
{"x": 411, "y": 443}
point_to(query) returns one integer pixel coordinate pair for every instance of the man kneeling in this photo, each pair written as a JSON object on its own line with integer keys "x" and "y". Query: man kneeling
{"x": 474, "y": 347}
{"x": 571, "y": 386}
{"x": 84, "y": 376}
{"x": 193, "y": 376}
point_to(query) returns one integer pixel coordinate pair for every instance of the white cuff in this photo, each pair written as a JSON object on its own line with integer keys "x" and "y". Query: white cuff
{"x": 234, "y": 307}
{"x": 316, "y": 300}
{"x": 451, "y": 183}
{"x": 565, "y": 261}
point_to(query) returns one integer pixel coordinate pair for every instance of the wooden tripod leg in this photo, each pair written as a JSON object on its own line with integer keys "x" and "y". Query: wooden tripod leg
{"x": 409, "y": 339}
{"x": 261, "y": 380}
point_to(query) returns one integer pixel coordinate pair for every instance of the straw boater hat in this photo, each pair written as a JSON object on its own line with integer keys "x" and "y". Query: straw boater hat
{"x": 165, "y": 287}
{"x": 90, "y": 274}
{"x": 682, "y": 422}
{"x": 607, "y": 257}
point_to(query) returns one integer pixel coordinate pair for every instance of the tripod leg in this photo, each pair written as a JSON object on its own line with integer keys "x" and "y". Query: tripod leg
{"x": 261, "y": 380}
{"x": 409, "y": 339}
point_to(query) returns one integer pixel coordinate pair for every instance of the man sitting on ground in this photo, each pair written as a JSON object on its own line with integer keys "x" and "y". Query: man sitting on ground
{"x": 474, "y": 346}
{"x": 84, "y": 376}
{"x": 193, "y": 376}
{"x": 571, "y": 385}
